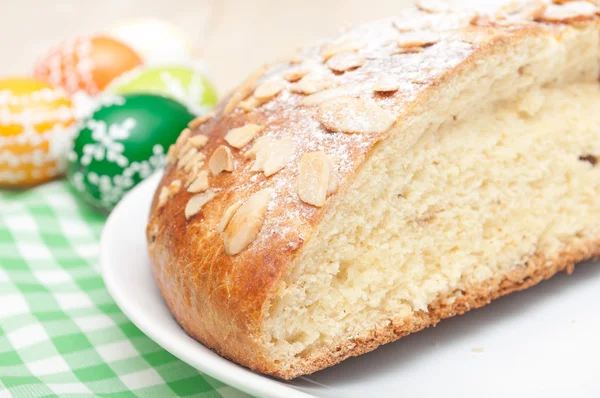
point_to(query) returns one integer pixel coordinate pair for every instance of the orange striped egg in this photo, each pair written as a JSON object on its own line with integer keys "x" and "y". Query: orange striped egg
{"x": 36, "y": 123}
{"x": 86, "y": 63}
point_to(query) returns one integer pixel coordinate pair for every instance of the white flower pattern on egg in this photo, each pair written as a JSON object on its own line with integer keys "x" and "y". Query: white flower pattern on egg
{"x": 107, "y": 145}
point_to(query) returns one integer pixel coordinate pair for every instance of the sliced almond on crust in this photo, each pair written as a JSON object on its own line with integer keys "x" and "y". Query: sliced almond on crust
{"x": 433, "y": 6}
{"x": 268, "y": 90}
{"x": 253, "y": 151}
{"x": 171, "y": 152}
{"x": 526, "y": 10}
{"x": 345, "y": 62}
{"x": 174, "y": 187}
{"x": 418, "y": 39}
{"x": 411, "y": 21}
{"x": 243, "y": 91}
{"x": 312, "y": 83}
{"x": 163, "y": 196}
{"x": 235, "y": 99}
{"x": 197, "y": 122}
{"x": 182, "y": 144}
{"x": 184, "y": 149}
{"x": 200, "y": 183}
{"x": 197, "y": 201}
{"x": 249, "y": 104}
{"x": 183, "y": 137}
{"x": 313, "y": 180}
{"x": 386, "y": 84}
{"x": 168, "y": 192}
{"x": 192, "y": 174}
{"x": 352, "y": 89}
{"x": 240, "y": 136}
{"x": 354, "y": 115}
{"x": 198, "y": 141}
{"x": 330, "y": 49}
{"x": 295, "y": 74}
{"x": 179, "y": 147}
{"x": 221, "y": 160}
{"x": 271, "y": 155}
{"x": 246, "y": 222}
{"x": 297, "y": 59}
{"x": 481, "y": 34}
{"x": 187, "y": 156}
{"x": 569, "y": 10}
{"x": 407, "y": 50}
{"x": 195, "y": 161}
{"x": 228, "y": 215}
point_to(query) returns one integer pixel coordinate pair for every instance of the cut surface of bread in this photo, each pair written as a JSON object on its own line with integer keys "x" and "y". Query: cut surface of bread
{"x": 337, "y": 220}
{"x": 471, "y": 201}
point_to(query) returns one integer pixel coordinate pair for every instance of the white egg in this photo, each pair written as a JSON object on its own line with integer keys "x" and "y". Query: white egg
{"x": 158, "y": 42}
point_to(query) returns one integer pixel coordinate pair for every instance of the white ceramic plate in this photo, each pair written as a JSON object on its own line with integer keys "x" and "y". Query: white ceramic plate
{"x": 544, "y": 342}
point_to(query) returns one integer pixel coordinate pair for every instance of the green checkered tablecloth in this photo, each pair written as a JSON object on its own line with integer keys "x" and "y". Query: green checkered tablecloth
{"x": 61, "y": 334}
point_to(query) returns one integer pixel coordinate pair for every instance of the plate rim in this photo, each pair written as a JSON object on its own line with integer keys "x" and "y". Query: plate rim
{"x": 217, "y": 367}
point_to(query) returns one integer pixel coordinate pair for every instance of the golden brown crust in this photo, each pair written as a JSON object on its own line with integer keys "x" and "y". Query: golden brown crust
{"x": 218, "y": 298}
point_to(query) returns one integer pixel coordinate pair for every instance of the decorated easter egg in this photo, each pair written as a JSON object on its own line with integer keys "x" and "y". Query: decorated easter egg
{"x": 158, "y": 42}
{"x": 122, "y": 143}
{"x": 180, "y": 83}
{"x": 36, "y": 126}
{"x": 86, "y": 64}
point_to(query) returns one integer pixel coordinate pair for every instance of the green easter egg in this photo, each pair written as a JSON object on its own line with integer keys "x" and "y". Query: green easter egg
{"x": 182, "y": 84}
{"x": 122, "y": 143}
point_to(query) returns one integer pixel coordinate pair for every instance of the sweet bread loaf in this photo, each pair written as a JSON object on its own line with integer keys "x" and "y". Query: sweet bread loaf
{"x": 406, "y": 171}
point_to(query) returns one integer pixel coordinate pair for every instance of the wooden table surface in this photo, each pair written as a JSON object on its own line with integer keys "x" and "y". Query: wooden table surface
{"x": 232, "y": 36}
